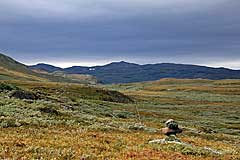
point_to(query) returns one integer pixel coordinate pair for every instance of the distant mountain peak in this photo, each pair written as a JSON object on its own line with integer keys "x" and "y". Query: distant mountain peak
{"x": 45, "y": 67}
{"x": 122, "y": 63}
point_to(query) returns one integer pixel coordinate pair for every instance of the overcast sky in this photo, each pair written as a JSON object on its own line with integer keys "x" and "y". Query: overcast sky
{"x": 91, "y": 32}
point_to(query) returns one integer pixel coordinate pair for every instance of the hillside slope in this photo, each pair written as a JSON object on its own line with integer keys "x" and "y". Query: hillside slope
{"x": 11, "y": 69}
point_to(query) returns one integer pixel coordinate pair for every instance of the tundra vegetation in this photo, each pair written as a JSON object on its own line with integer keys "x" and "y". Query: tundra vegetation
{"x": 49, "y": 120}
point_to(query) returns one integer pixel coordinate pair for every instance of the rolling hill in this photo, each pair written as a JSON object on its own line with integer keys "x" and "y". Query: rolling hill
{"x": 124, "y": 72}
{"x": 45, "y": 67}
{"x": 11, "y": 69}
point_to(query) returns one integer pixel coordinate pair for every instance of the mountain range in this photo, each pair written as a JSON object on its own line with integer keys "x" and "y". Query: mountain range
{"x": 115, "y": 72}
{"x": 124, "y": 72}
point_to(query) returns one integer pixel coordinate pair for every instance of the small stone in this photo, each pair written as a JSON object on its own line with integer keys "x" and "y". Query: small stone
{"x": 18, "y": 124}
{"x": 171, "y": 128}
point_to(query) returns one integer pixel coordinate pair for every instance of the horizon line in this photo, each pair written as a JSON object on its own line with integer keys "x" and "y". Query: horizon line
{"x": 233, "y": 65}
{"x": 90, "y": 65}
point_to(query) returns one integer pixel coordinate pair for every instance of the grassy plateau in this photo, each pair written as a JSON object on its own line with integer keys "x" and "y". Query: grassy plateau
{"x": 49, "y": 120}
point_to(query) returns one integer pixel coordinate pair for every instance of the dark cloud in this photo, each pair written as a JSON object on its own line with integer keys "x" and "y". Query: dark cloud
{"x": 181, "y": 31}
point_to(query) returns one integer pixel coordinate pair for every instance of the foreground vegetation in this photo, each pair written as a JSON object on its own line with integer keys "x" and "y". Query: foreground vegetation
{"x": 71, "y": 121}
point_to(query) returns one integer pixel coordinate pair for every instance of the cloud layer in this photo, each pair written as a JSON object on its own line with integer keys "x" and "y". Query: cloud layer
{"x": 145, "y": 31}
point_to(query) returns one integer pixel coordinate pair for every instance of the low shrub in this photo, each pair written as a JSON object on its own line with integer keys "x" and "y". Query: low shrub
{"x": 20, "y": 94}
{"x": 7, "y": 87}
{"x": 7, "y": 123}
{"x": 49, "y": 110}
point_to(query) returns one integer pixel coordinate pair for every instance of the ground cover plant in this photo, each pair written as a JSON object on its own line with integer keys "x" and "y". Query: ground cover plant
{"x": 74, "y": 121}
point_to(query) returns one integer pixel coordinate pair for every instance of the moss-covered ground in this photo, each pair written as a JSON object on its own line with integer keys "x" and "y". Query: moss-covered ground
{"x": 72, "y": 121}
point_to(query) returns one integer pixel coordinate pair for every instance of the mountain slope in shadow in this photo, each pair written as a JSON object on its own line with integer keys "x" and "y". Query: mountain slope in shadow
{"x": 124, "y": 72}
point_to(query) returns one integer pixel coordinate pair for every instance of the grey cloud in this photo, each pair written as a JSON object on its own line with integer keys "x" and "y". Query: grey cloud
{"x": 106, "y": 28}
{"x": 96, "y": 8}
